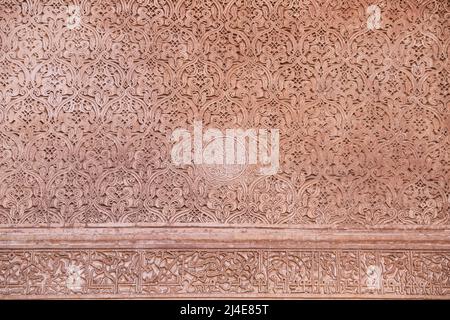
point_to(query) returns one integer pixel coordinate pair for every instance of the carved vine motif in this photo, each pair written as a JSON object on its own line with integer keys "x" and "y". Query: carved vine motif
{"x": 91, "y": 90}
{"x": 86, "y": 110}
{"x": 150, "y": 273}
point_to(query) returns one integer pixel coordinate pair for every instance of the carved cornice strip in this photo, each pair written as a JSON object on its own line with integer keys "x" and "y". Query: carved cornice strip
{"x": 220, "y": 237}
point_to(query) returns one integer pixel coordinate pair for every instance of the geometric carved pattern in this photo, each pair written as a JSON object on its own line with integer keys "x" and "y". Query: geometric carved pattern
{"x": 86, "y": 116}
{"x": 219, "y": 273}
{"x": 86, "y": 113}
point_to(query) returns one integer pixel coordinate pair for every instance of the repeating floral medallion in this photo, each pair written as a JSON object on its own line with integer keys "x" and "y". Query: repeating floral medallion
{"x": 91, "y": 91}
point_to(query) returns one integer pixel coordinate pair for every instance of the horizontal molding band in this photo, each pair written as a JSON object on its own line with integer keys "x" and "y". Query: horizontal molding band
{"x": 154, "y": 225}
{"x": 170, "y": 237}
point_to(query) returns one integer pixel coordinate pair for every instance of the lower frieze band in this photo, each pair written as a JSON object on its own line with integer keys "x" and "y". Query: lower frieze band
{"x": 223, "y": 273}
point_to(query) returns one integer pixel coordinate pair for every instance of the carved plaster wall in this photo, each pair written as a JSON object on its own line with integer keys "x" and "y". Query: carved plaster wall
{"x": 92, "y": 205}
